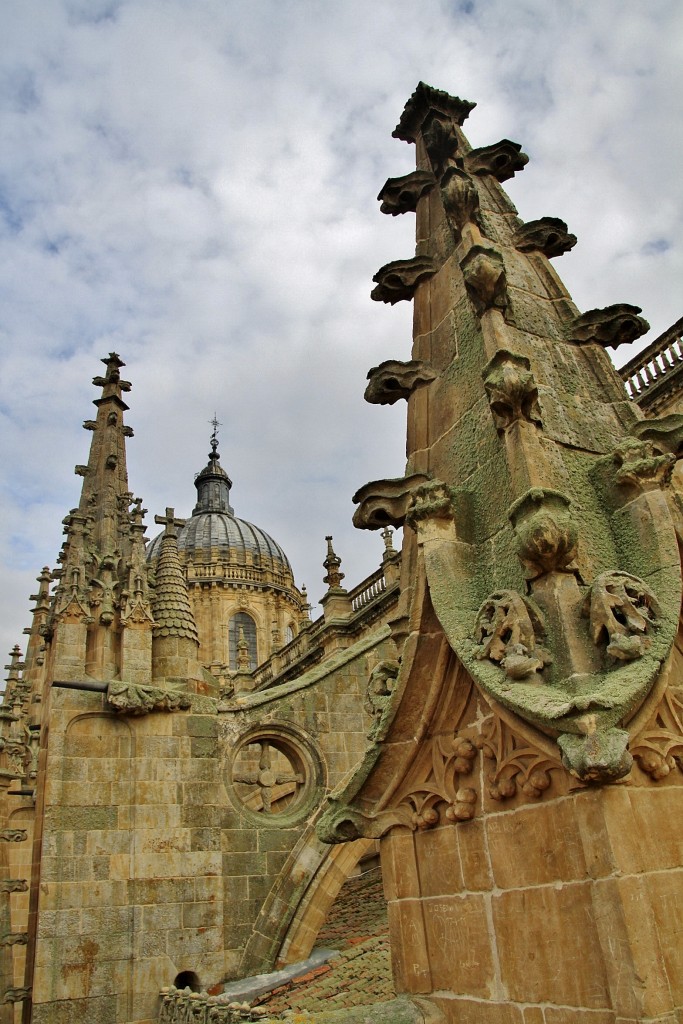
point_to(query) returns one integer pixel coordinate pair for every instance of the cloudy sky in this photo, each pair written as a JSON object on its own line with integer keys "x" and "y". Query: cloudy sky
{"x": 192, "y": 183}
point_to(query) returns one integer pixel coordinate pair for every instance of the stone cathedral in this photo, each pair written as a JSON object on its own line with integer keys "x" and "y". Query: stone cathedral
{"x": 191, "y": 767}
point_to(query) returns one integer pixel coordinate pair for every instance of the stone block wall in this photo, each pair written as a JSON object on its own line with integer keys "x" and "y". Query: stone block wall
{"x": 130, "y": 887}
{"x": 151, "y": 863}
{"x": 546, "y": 913}
{"x": 272, "y": 860}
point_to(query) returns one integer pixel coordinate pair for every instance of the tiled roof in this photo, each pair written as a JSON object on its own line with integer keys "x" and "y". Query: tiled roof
{"x": 361, "y": 974}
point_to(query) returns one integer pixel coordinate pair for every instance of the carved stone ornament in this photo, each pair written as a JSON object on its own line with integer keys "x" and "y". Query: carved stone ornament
{"x": 398, "y": 280}
{"x": 17, "y": 995}
{"x": 610, "y": 327}
{"x": 13, "y": 835}
{"x": 503, "y": 159}
{"x": 547, "y": 535}
{"x": 548, "y": 235}
{"x": 507, "y": 631}
{"x": 511, "y": 390}
{"x": 14, "y": 939}
{"x": 665, "y": 433}
{"x": 623, "y": 613}
{"x": 658, "y": 749}
{"x": 431, "y": 500}
{"x": 385, "y": 502}
{"x": 441, "y": 142}
{"x": 130, "y": 699}
{"x": 586, "y": 699}
{"x": 516, "y": 764}
{"x": 641, "y": 467}
{"x": 431, "y": 793}
{"x": 424, "y": 100}
{"x": 599, "y": 755}
{"x": 381, "y": 683}
{"x": 401, "y": 195}
{"x": 484, "y": 273}
{"x": 393, "y": 380}
{"x": 13, "y": 885}
{"x": 460, "y": 199}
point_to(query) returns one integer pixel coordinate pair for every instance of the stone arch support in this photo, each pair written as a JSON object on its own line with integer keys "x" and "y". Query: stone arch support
{"x": 292, "y": 915}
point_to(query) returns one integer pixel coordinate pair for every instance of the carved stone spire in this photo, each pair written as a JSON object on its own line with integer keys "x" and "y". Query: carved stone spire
{"x": 175, "y": 636}
{"x": 530, "y": 494}
{"x": 96, "y": 556}
{"x": 332, "y": 564}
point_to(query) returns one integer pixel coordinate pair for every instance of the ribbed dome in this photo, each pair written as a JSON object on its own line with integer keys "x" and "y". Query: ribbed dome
{"x": 214, "y": 526}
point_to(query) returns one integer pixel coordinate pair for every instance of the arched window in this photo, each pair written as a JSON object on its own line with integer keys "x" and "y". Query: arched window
{"x": 290, "y": 633}
{"x": 242, "y": 626}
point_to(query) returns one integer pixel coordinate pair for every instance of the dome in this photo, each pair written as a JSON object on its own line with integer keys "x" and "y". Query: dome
{"x": 213, "y": 526}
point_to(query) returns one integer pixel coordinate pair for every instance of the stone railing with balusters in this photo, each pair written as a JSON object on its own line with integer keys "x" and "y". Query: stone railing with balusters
{"x": 308, "y": 647}
{"x": 656, "y": 371}
{"x": 183, "y": 1005}
{"x": 239, "y": 574}
{"x": 294, "y": 651}
{"x": 369, "y": 590}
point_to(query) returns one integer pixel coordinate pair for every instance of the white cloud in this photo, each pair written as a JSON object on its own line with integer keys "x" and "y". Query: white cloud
{"x": 194, "y": 186}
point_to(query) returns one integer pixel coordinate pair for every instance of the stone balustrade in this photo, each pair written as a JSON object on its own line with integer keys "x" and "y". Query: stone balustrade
{"x": 368, "y": 591}
{"x": 655, "y": 372}
{"x": 200, "y": 1008}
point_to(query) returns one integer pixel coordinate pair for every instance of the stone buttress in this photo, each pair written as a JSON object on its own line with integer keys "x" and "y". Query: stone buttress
{"x": 526, "y": 774}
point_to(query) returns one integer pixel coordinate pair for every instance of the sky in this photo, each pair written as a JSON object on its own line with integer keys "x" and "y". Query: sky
{"x": 192, "y": 183}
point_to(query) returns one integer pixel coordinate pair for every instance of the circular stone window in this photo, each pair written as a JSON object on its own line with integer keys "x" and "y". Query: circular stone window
{"x": 276, "y": 774}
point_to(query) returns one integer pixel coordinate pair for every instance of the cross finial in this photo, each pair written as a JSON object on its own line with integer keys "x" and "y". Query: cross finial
{"x": 170, "y": 522}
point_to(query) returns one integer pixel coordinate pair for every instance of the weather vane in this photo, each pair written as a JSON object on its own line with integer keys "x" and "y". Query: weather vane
{"x": 214, "y": 437}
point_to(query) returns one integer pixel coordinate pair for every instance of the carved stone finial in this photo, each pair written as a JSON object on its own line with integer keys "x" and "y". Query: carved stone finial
{"x": 610, "y": 327}
{"x": 424, "y": 99}
{"x": 548, "y": 235}
{"x": 171, "y": 524}
{"x": 387, "y": 537}
{"x": 332, "y": 564}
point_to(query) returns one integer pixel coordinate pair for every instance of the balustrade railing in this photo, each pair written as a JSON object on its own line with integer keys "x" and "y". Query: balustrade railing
{"x": 367, "y": 591}
{"x": 182, "y": 1005}
{"x": 242, "y": 574}
{"x": 647, "y": 370}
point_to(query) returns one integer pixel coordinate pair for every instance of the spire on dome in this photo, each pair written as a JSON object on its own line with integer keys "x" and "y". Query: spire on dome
{"x": 213, "y": 483}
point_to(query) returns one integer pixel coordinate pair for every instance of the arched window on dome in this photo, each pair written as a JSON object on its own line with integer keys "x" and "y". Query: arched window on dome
{"x": 242, "y": 625}
{"x": 290, "y": 633}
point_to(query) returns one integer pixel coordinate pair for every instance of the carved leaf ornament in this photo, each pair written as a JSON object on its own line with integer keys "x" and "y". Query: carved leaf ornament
{"x": 622, "y": 611}
{"x": 506, "y": 631}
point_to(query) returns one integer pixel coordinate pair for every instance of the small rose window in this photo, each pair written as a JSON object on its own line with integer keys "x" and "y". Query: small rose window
{"x": 276, "y": 774}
